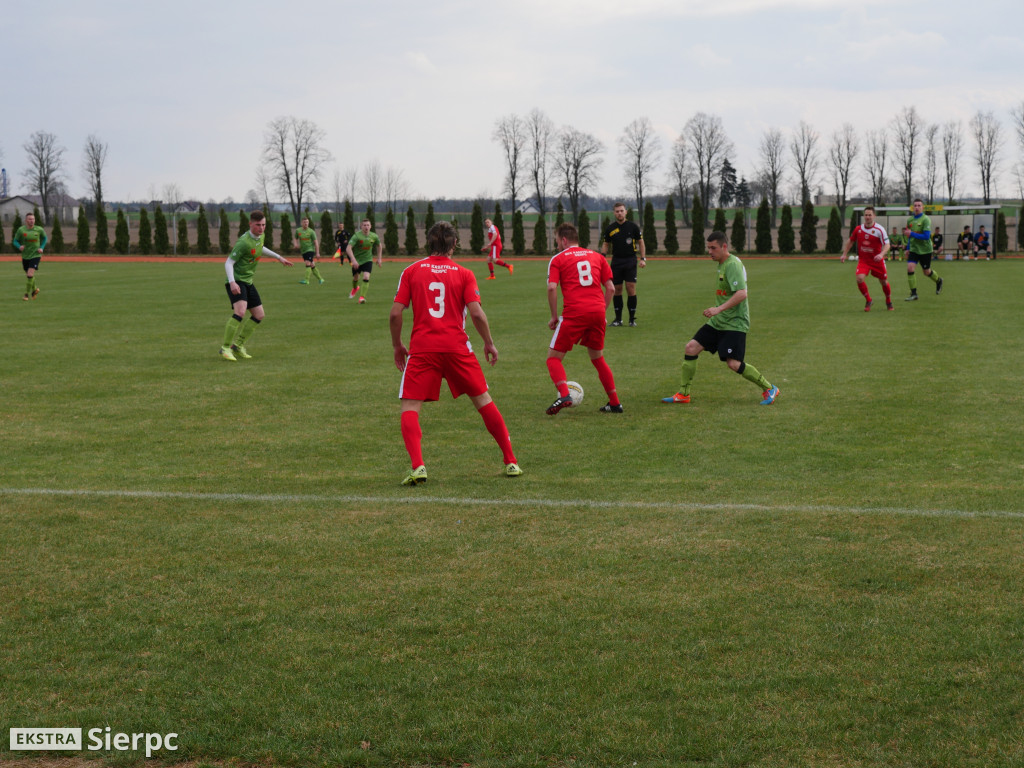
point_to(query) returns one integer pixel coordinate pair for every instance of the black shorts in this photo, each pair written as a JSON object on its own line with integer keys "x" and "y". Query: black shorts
{"x": 624, "y": 272}
{"x": 248, "y": 294}
{"x": 728, "y": 344}
{"x": 366, "y": 266}
{"x": 309, "y": 256}
{"x": 924, "y": 259}
{"x": 28, "y": 264}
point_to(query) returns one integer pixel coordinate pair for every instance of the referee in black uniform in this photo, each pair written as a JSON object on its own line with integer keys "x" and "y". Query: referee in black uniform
{"x": 627, "y": 241}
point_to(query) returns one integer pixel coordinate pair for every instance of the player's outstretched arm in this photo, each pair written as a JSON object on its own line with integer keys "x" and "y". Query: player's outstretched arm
{"x": 476, "y": 314}
{"x": 277, "y": 256}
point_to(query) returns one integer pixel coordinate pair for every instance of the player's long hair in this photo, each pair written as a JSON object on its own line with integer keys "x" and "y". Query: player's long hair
{"x": 442, "y": 238}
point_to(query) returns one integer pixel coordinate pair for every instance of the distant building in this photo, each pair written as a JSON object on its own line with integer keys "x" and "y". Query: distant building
{"x": 527, "y": 206}
{"x": 64, "y": 206}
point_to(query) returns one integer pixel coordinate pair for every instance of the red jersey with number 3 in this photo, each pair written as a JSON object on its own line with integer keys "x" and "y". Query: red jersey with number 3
{"x": 870, "y": 241}
{"x": 581, "y": 273}
{"x": 439, "y": 291}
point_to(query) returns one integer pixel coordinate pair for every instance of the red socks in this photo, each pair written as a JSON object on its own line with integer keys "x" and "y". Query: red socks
{"x": 604, "y": 373}
{"x": 413, "y": 437}
{"x": 888, "y": 292}
{"x": 557, "y": 372}
{"x": 496, "y": 426}
{"x": 863, "y": 288}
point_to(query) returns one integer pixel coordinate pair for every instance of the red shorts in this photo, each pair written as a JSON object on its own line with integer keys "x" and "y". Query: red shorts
{"x": 495, "y": 252}
{"x": 587, "y": 330}
{"x": 421, "y": 379}
{"x": 873, "y": 268}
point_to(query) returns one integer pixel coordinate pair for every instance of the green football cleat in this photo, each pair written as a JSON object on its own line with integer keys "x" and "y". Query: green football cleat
{"x": 512, "y": 470}
{"x": 240, "y": 351}
{"x": 322, "y": 281}
{"x": 417, "y": 476}
{"x": 303, "y": 282}
{"x": 227, "y": 354}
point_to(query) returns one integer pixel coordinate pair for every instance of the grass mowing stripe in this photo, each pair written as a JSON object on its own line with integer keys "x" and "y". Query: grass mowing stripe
{"x": 274, "y": 498}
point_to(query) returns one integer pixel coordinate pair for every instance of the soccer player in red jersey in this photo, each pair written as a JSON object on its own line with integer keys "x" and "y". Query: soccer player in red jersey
{"x": 442, "y": 293}
{"x": 493, "y": 248}
{"x": 587, "y": 290}
{"x": 872, "y": 247}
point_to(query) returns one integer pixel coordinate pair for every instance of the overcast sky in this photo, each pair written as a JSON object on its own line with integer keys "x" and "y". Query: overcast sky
{"x": 182, "y": 92}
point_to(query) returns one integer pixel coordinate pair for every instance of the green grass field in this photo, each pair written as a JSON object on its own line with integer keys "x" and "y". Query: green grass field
{"x": 223, "y": 550}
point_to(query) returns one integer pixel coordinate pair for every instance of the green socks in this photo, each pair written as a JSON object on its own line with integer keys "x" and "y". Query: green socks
{"x": 689, "y": 371}
{"x": 912, "y": 280}
{"x": 247, "y": 328}
{"x": 309, "y": 271}
{"x": 316, "y": 274}
{"x": 750, "y": 373}
{"x": 231, "y": 329}
{"x": 934, "y": 277}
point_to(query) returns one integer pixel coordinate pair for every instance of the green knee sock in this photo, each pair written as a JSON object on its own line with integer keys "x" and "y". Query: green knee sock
{"x": 30, "y": 283}
{"x": 309, "y": 271}
{"x": 750, "y": 373}
{"x": 366, "y": 287}
{"x": 912, "y": 280}
{"x": 230, "y": 330}
{"x": 934, "y": 277}
{"x": 316, "y": 273}
{"x": 689, "y": 371}
{"x": 246, "y": 331}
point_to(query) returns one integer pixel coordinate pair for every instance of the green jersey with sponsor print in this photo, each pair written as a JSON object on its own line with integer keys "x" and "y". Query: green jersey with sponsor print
{"x": 732, "y": 277}
{"x": 920, "y": 225}
{"x": 363, "y": 246}
{"x": 307, "y": 239}
{"x": 246, "y": 254}
{"x": 34, "y": 240}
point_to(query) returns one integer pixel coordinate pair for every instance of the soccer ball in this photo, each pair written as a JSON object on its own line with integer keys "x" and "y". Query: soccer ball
{"x": 575, "y": 393}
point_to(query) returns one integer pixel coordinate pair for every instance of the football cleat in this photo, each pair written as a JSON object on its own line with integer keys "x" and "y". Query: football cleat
{"x": 559, "y": 404}
{"x": 492, "y": 277}
{"x": 303, "y": 282}
{"x": 911, "y": 297}
{"x": 512, "y": 470}
{"x": 609, "y": 408}
{"x": 352, "y": 293}
{"x": 35, "y": 292}
{"x": 889, "y": 306}
{"x": 239, "y": 351}
{"x": 227, "y": 354}
{"x": 362, "y": 299}
{"x": 510, "y": 268}
{"x": 678, "y": 397}
{"x": 322, "y": 281}
{"x": 769, "y": 396}
{"x": 25, "y": 297}
{"x": 416, "y": 477}
{"x": 938, "y": 285}
{"x": 616, "y": 323}
{"x": 632, "y": 323}
{"x": 867, "y": 305}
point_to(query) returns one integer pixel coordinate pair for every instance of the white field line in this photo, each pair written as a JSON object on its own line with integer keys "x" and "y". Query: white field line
{"x": 469, "y": 501}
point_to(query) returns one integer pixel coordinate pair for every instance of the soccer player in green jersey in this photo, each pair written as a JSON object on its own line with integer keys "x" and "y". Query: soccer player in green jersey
{"x": 309, "y": 247}
{"x": 727, "y": 326}
{"x": 919, "y": 236}
{"x": 240, "y": 267}
{"x": 29, "y": 241}
{"x": 360, "y": 252}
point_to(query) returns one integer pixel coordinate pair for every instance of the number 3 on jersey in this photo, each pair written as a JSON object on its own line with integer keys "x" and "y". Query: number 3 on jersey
{"x": 586, "y": 277}
{"x": 438, "y": 300}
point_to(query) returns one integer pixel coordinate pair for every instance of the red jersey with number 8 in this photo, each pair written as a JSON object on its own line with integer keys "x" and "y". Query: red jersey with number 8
{"x": 581, "y": 273}
{"x": 439, "y": 291}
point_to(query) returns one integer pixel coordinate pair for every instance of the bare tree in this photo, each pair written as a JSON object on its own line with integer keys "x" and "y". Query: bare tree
{"x": 172, "y": 196}
{"x": 709, "y": 146}
{"x": 772, "y": 167}
{"x": 988, "y": 141}
{"x": 806, "y": 158}
{"x": 373, "y": 182}
{"x": 540, "y": 133}
{"x": 295, "y": 159}
{"x": 931, "y": 160}
{"x": 45, "y": 167}
{"x": 952, "y": 149}
{"x": 640, "y": 149}
{"x": 350, "y": 183}
{"x": 263, "y": 185}
{"x": 875, "y": 163}
{"x": 93, "y": 160}
{"x": 395, "y": 186}
{"x": 681, "y": 176}
{"x": 907, "y": 127}
{"x": 577, "y": 160}
{"x": 511, "y": 132}
{"x": 338, "y": 190}
{"x": 841, "y": 154}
